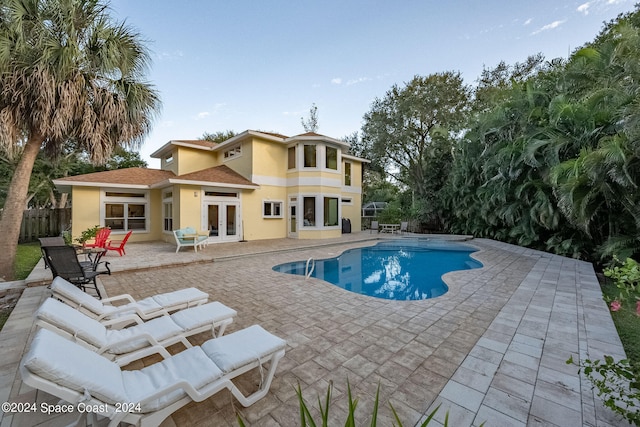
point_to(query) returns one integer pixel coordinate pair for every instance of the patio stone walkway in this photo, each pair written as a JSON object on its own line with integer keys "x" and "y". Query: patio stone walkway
{"x": 492, "y": 349}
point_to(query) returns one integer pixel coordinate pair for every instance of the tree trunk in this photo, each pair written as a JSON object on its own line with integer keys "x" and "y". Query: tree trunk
{"x": 15, "y": 205}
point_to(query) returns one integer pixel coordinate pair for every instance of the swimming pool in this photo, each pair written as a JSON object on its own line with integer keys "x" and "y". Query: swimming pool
{"x": 407, "y": 269}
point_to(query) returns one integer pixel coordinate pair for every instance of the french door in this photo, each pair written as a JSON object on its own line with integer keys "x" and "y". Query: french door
{"x": 222, "y": 220}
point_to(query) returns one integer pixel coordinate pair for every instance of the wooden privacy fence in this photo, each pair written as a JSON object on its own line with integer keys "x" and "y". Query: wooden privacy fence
{"x": 43, "y": 223}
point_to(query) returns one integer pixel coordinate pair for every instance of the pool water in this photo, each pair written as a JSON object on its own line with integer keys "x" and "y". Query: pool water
{"x": 408, "y": 269}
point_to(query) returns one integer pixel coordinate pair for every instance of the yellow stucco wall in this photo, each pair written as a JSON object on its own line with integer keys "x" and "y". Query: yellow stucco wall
{"x": 190, "y": 207}
{"x": 86, "y": 209}
{"x": 172, "y": 165}
{"x": 192, "y": 160}
{"x": 319, "y": 234}
{"x": 353, "y": 212}
{"x": 356, "y": 173}
{"x": 242, "y": 164}
{"x": 155, "y": 218}
{"x": 255, "y": 226}
{"x": 269, "y": 158}
{"x": 87, "y": 205}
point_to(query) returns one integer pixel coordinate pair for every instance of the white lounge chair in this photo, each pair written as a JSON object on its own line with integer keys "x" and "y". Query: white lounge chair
{"x": 126, "y": 345}
{"x": 131, "y": 312}
{"x": 77, "y": 375}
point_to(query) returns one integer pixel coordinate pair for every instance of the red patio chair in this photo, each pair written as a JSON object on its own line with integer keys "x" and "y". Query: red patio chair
{"x": 101, "y": 239}
{"x": 118, "y": 245}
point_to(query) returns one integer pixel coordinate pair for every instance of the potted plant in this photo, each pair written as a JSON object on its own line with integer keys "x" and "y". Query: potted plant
{"x": 88, "y": 234}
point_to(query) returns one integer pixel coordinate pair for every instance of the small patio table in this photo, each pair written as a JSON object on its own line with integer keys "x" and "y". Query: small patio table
{"x": 93, "y": 255}
{"x": 389, "y": 228}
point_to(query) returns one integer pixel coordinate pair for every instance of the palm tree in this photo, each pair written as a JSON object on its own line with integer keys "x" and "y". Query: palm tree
{"x": 69, "y": 73}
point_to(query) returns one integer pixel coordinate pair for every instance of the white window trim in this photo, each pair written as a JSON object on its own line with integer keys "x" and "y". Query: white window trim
{"x": 319, "y": 158}
{"x": 230, "y": 153}
{"x": 319, "y": 214}
{"x": 332, "y": 196}
{"x": 273, "y": 203}
{"x": 166, "y": 200}
{"x": 301, "y": 198}
{"x": 338, "y": 159}
{"x": 296, "y": 159}
{"x": 104, "y": 200}
{"x": 344, "y": 176}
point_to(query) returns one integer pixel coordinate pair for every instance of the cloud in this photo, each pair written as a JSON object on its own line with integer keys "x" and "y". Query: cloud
{"x": 170, "y": 56}
{"x": 588, "y": 6}
{"x": 584, "y": 8}
{"x": 528, "y": 21}
{"x": 338, "y": 81}
{"x": 358, "y": 80}
{"x": 216, "y": 108}
{"x": 553, "y": 25}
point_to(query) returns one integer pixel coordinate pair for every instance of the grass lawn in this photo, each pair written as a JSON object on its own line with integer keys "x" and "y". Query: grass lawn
{"x": 627, "y": 323}
{"x": 27, "y": 256}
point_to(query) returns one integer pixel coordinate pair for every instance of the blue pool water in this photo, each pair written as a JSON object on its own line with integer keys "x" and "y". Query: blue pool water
{"x": 408, "y": 269}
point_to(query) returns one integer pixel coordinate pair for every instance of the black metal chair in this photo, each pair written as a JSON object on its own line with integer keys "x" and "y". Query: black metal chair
{"x": 49, "y": 241}
{"x": 63, "y": 261}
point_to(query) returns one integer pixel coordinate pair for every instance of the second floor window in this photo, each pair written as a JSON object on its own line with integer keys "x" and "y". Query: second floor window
{"x": 347, "y": 173}
{"x": 310, "y": 156}
{"x": 291, "y": 152}
{"x": 233, "y": 152}
{"x": 332, "y": 158}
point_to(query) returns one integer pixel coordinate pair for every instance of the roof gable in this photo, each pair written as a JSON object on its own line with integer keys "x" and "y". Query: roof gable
{"x": 217, "y": 174}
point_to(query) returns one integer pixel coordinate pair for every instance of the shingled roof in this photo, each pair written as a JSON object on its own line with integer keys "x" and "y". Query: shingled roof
{"x": 128, "y": 176}
{"x": 218, "y": 174}
{"x": 151, "y": 178}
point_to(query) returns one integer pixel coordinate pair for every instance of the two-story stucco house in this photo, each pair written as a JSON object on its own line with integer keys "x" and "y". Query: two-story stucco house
{"x": 256, "y": 185}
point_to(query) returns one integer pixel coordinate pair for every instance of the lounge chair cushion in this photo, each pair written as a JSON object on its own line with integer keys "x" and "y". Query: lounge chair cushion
{"x": 158, "y": 302}
{"x": 191, "y": 365}
{"x": 180, "y": 297}
{"x": 65, "y": 363}
{"x": 71, "y": 291}
{"x": 201, "y": 315}
{"x": 147, "y": 305}
{"x": 159, "y": 328}
{"x": 93, "y": 332}
{"x": 72, "y": 321}
{"x": 240, "y": 348}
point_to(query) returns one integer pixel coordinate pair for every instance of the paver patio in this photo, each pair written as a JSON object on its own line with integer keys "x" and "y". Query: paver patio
{"x": 491, "y": 349}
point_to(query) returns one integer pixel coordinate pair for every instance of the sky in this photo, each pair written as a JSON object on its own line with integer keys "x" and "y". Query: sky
{"x": 261, "y": 65}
